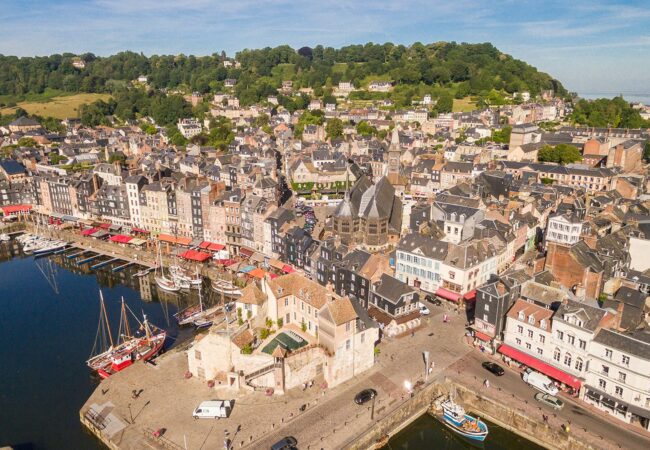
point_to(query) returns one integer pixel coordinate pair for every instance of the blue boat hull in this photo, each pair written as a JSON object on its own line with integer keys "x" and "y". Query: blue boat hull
{"x": 457, "y": 428}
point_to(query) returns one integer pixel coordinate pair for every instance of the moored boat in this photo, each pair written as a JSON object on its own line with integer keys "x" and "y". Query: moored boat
{"x": 113, "y": 358}
{"x": 456, "y": 419}
{"x": 226, "y": 288}
{"x": 4, "y": 237}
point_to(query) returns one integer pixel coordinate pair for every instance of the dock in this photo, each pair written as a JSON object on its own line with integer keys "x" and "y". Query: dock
{"x": 87, "y": 260}
{"x": 74, "y": 255}
{"x": 104, "y": 263}
{"x": 122, "y": 267}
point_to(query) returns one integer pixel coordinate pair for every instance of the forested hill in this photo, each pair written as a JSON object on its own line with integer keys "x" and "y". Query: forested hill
{"x": 463, "y": 69}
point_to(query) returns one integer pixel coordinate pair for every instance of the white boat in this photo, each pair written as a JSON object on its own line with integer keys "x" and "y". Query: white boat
{"x": 226, "y": 288}
{"x": 166, "y": 284}
{"x": 50, "y": 247}
{"x": 184, "y": 279}
{"x": 4, "y": 237}
{"x": 143, "y": 272}
{"x": 455, "y": 418}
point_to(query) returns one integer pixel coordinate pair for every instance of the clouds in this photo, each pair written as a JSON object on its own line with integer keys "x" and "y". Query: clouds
{"x": 559, "y": 36}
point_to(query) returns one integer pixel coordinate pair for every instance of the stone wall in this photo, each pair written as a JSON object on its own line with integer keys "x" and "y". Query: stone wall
{"x": 407, "y": 411}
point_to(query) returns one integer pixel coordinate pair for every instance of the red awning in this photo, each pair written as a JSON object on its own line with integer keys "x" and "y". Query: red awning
{"x": 14, "y": 209}
{"x": 213, "y": 247}
{"x": 246, "y": 252}
{"x": 540, "y": 366}
{"x": 120, "y": 239}
{"x": 226, "y": 262}
{"x": 482, "y": 336}
{"x": 273, "y": 276}
{"x": 288, "y": 269}
{"x": 105, "y": 226}
{"x": 178, "y": 240}
{"x": 139, "y": 230}
{"x": 470, "y": 296}
{"x": 448, "y": 295}
{"x": 195, "y": 255}
{"x": 89, "y": 231}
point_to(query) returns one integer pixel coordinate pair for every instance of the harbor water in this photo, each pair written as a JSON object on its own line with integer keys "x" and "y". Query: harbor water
{"x": 427, "y": 433}
{"x": 48, "y": 324}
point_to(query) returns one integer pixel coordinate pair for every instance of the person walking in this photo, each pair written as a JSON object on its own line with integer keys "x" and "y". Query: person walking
{"x": 486, "y": 383}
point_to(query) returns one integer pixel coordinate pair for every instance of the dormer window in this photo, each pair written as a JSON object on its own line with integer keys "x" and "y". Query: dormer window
{"x": 542, "y": 324}
{"x": 531, "y": 319}
{"x": 522, "y": 316}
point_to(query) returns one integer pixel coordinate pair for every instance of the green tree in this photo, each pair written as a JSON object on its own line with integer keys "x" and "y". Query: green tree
{"x": 646, "y": 151}
{"x": 334, "y": 128}
{"x": 502, "y": 136}
{"x": 561, "y": 153}
{"x": 365, "y": 129}
{"x": 26, "y": 142}
{"x": 445, "y": 103}
{"x": 117, "y": 157}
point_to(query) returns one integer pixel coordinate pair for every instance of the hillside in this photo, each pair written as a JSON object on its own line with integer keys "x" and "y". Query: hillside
{"x": 440, "y": 69}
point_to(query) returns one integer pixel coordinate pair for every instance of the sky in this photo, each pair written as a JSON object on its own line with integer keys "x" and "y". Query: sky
{"x": 591, "y": 46}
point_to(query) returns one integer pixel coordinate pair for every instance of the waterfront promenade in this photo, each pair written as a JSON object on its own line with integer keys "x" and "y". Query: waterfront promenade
{"x": 331, "y": 419}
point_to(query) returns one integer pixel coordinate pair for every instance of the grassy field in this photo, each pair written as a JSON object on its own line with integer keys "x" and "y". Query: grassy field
{"x": 464, "y": 105}
{"x": 60, "y": 107}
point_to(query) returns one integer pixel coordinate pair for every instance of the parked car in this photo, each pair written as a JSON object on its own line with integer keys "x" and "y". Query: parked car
{"x": 549, "y": 400}
{"x": 287, "y": 443}
{"x": 433, "y": 300}
{"x": 423, "y": 309}
{"x": 365, "y": 396}
{"x": 494, "y": 368}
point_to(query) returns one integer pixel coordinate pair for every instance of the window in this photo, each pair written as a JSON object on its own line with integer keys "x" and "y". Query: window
{"x": 521, "y": 315}
{"x": 487, "y": 307}
{"x": 542, "y": 324}
{"x": 556, "y": 354}
{"x": 583, "y": 344}
{"x": 605, "y": 370}
{"x": 608, "y": 353}
{"x": 531, "y": 320}
{"x": 347, "y": 344}
{"x": 347, "y": 326}
{"x": 560, "y": 335}
{"x": 622, "y": 376}
{"x": 542, "y": 338}
{"x": 571, "y": 339}
{"x": 540, "y": 351}
{"x": 528, "y": 346}
{"x": 567, "y": 359}
{"x": 530, "y": 333}
{"x": 625, "y": 360}
{"x": 520, "y": 329}
{"x": 197, "y": 355}
{"x": 579, "y": 365}
{"x": 518, "y": 341}
{"x": 602, "y": 384}
{"x": 619, "y": 391}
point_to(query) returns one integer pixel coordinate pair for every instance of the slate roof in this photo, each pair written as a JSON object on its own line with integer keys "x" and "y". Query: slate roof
{"x": 589, "y": 315}
{"x": 391, "y": 288}
{"x": 12, "y": 167}
{"x": 636, "y": 343}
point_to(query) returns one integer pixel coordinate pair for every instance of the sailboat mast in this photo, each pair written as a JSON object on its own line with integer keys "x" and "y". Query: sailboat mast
{"x": 103, "y": 311}
{"x": 125, "y": 320}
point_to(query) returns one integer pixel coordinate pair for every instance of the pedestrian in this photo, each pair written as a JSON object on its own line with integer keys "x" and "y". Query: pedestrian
{"x": 412, "y": 333}
{"x": 486, "y": 383}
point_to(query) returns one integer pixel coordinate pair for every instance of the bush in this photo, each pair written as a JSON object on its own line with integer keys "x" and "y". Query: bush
{"x": 269, "y": 323}
{"x": 247, "y": 350}
{"x": 280, "y": 323}
{"x": 303, "y": 326}
{"x": 265, "y": 333}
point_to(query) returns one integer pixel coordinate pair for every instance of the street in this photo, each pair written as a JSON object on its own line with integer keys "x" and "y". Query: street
{"x": 581, "y": 416}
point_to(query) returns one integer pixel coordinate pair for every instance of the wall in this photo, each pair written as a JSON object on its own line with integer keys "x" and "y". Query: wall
{"x": 639, "y": 254}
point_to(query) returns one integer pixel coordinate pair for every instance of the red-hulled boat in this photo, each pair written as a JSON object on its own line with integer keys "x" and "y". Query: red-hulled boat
{"x": 129, "y": 349}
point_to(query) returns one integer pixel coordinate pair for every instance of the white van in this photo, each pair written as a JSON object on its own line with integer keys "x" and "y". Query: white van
{"x": 213, "y": 409}
{"x": 540, "y": 382}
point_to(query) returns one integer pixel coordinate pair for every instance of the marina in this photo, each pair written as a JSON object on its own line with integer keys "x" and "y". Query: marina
{"x": 53, "y": 305}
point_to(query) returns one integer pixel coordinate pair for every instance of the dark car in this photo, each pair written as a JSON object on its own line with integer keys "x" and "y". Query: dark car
{"x": 287, "y": 443}
{"x": 433, "y": 300}
{"x": 365, "y": 396}
{"x": 494, "y": 368}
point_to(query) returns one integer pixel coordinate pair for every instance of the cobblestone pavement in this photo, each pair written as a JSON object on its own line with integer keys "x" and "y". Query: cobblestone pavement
{"x": 587, "y": 423}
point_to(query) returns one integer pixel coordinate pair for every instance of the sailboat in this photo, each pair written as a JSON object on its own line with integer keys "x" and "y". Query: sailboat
{"x": 163, "y": 282}
{"x": 111, "y": 357}
{"x": 182, "y": 277}
{"x": 197, "y": 315}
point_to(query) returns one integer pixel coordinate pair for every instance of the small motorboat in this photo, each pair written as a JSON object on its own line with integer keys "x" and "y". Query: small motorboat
{"x": 455, "y": 418}
{"x": 143, "y": 272}
{"x": 4, "y": 237}
{"x": 202, "y": 323}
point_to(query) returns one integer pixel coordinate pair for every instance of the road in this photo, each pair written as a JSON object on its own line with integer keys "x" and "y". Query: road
{"x": 580, "y": 415}
{"x": 336, "y": 418}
